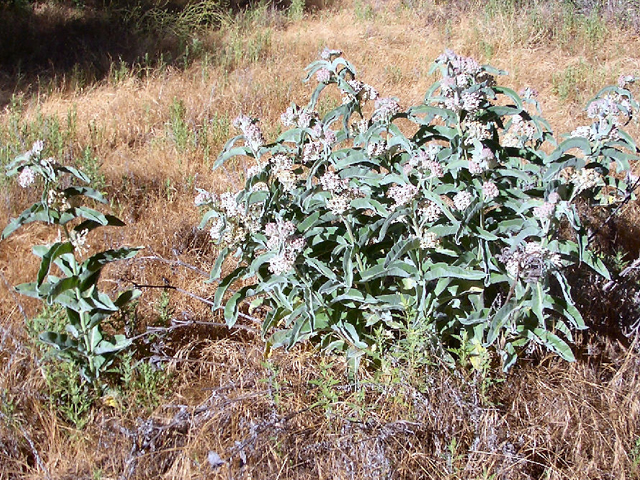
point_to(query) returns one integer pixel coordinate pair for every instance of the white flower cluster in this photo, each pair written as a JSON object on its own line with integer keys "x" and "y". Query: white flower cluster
{"x": 312, "y": 151}
{"x": 604, "y": 108}
{"x": 299, "y": 117}
{"x": 429, "y": 240}
{"x": 281, "y": 238}
{"x": 490, "y": 190}
{"x": 254, "y": 170}
{"x": 360, "y": 92}
{"x": 625, "y": 81}
{"x": 26, "y": 177}
{"x": 342, "y": 193}
{"x": 203, "y": 197}
{"x": 520, "y": 132}
{"x": 461, "y": 73}
{"x": 468, "y": 101}
{"x": 462, "y": 200}
{"x": 282, "y": 169}
{"x": 327, "y": 53}
{"x": 475, "y": 130}
{"x": 425, "y": 162}
{"x": 529, "y": 262}
{"x": 57, "y": 201}
{"x": 547, "y": 209}
{"x": 429, "y": 211}
{"x": 482, "y": 160}
{"x": 583, "y": 132}
{"x": 79, "y": 240}
{"x": 460, "y": 65}
{"x": 233, "y": 220}
{"x": 376, "y": 149}
{"x": 251, "y": 131}
{"x": 608, "y": 114}
{"x": 323, "y": 75}
{"x": 402, "y": 194}
{"x": 36, "y": 149}
{"x": 586, "y": 179}
{"x": 385, "y": 108}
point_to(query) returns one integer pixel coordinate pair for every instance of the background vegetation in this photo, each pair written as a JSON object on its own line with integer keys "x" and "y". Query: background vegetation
{"x": 145, "y": 119}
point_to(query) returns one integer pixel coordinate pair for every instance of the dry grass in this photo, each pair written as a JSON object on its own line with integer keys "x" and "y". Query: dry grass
{"x": 271, "y": 418}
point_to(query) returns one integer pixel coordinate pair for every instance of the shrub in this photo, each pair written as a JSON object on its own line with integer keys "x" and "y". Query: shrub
{"x": 461, "y": 210}
{"x": 85, "y": 344}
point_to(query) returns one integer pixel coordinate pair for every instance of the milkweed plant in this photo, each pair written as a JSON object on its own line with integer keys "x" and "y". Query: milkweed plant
{"x": 458, "y": 215}
{"x": 67, "y": 277}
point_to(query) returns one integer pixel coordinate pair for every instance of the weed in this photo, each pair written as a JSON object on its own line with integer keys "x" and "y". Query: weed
{"x": 179, "y": 130}
{"x": 296, "y": 10}
{"x": 364, "y": 11}
{"x": 164, "y": 309}
{"x": 326, "y": 395}
{"x": 141, "y": 384}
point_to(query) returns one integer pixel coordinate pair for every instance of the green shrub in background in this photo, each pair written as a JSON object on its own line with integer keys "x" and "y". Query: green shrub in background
{"x": 85, "y": 343}
{"x": 451, "y": 210}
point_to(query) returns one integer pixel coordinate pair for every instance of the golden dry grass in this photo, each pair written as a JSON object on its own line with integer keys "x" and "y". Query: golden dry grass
{"x": 269, "y": 418}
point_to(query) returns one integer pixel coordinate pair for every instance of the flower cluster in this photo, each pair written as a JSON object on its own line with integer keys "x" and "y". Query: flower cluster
{"x": 462, "y": 82}
{"x": 476, "y": 131}
{"x": 79, "y": 240}
{"x": 385, "y": 109}
{"x": 377, "y": 148}
{"x": 520, "y": 133}
{"x": 57, "y": 201}
{"x": 490, "y": 190}
{"x": 429, "y": 240}
{"x": 26, "y": 177}
{"x": 359, "y": 92}
{"x": 281, "y": 238}
{"x": 529, "y": 261}
{"x": 341, "y": 192}
{"x": 232, "y": 221}
{"x": 299, "y": 117}
{"x": 282, "y": 169}
{"x": 328, "y": 54}
{"x": 425, "y": 162}
{"x": 462, "y": 200}
{"x": 429, "y": 211}
{"x": 251, "y": 131}
{"x": 402, "y": 194}
{"x": 586, "y": 179}
{"x": 323, "y": 75}
{"x": 547, "y": 209}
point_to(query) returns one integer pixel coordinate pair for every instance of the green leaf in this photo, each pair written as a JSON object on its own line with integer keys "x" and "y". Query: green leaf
{"x": 308, "y": 222}
{"x": 217, "y": 267}
{"x": 443, "y": 270}
{"x": 29, "y": 289}
{"x": 126, "y": 297}
{"x": 555, "y": 343}
{"x": 232, "y": 305}
{"x": 91, "y": 225}
{"x": 226, "y": 283}
{"x": 35, "y": 213}
{"x": 98, "y": 260}
{"x": 90, "y": 214}
{"x": 400, "y": 249}
{"x": 86, "y": 192}
{"x": 56, "y": 250}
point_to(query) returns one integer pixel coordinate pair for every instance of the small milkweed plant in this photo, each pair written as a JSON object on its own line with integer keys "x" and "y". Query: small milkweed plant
{"x": 73, "y": 283}
{"x": 458, "y": 215}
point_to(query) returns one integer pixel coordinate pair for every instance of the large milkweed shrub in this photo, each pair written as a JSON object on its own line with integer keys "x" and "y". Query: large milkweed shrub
{"x": 458, "y": 214}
